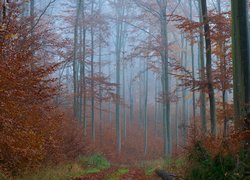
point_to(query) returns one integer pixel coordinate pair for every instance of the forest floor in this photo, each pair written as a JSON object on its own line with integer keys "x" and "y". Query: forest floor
{"x": 100, "y": 160}
{"x": 97, "y": 167}
{"x": 119, "y": 173}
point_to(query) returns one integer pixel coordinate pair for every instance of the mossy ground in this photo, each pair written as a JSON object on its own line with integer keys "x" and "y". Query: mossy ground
{"x": 98, "y": 166}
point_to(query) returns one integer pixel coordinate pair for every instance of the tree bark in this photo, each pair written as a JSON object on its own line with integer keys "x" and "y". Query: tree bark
{"x": 209, "y": 67}
{"x": 241, "y": 62}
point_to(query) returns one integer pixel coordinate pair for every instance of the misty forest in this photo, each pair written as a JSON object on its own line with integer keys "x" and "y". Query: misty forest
{"x": 124, "y": 89}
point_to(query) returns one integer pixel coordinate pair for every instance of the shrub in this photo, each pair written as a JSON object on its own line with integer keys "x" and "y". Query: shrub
{"x": 202, "y": 165}
{"x": 32, "y": 129}
{"x": 97, "y": 161}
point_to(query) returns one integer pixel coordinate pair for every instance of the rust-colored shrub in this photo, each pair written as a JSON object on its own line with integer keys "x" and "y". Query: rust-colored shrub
{"x": 32, "y": 129}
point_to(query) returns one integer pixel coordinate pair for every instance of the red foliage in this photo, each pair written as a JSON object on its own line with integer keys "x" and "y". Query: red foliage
{"x": 221, "y": 48}
{"x": 231, "y": 144}
{"x": 32, "y": 130}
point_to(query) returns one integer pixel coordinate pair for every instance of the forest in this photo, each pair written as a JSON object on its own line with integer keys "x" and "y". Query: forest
{"x": 124, "y": 89}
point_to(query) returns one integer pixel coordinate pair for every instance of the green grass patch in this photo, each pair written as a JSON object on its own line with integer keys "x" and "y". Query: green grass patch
{"x": 116, "y": 175}
{"x": 98, "y": 161}
{"x": 63, "y": 172}
{"x": 2, "y": 176}
{"x": 91, "y": 171}
{"x": 84, "y": 165}
{"x": 149, "y": 171}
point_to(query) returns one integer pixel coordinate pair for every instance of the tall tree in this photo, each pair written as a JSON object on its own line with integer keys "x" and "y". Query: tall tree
{"x": 192, "y": 55}
{"x": 83, "y": 72}
{"x": 202, "y": 74}
{"x": 209, "y": 67}
{"x": 131, "y": 96}
{"x": 120, "y": 10}
{"x": 146, "y": 109}
{"x": 75, "y": 59}
{"x": 241, "y": 62}
{"x": 165, "y": 79}
{"x": 92, "y": 75}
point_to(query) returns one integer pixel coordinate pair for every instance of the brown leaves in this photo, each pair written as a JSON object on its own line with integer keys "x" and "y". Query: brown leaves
{"x": 31, "y": 128}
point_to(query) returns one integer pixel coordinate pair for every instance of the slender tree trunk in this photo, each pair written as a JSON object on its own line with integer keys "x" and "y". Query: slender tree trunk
{"x": 124, "y": 82}
{"x": 124, "y": 98}
{"x": 209, "y": 67}
{"x": 177, "y": 119}
{"x": 192, "y": 57}
{"x": 118, "y": 46}
{"x": 75, "y": 61}
{"x": 219, "y": 5}
{"x": 110, "y": 101}
{"x": 131, "y": 98}
{"x": 83, "y": 75}
{"x": 202, "y": 75}
{"x": 146, "y": 111}
{"x": 3, "y": 10}
{"x": 184, "y": 96}
{"x": 140, "y": 96}
{"x": 156, "y": 106}
{"x": 100, "y": 73}
{"x": 92, "y": 76}
{"x": 32, "y": 8}
{"x": 165, "y": 79}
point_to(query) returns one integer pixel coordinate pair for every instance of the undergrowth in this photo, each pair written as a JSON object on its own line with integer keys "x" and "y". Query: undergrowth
{"x": 202, "y": 165}
{"x": 98, "y": 161}
{"x": 171, "y": 165}
{"x": 117, "y": 174}
{"x": 83, "y": 165}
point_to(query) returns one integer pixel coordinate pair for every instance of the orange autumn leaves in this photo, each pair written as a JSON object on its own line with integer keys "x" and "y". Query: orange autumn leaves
{"x": 31, "y": 128}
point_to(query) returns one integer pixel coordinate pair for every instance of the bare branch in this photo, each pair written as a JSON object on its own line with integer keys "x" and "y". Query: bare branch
{"x": 40, "y": 16}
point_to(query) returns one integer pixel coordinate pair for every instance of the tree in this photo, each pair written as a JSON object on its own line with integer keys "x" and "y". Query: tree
{"x": 202, "y": 74}
{"x": 241, "y": 62}
{"x": 165, "y": 79}
{"x": 75, "y": 59}
{"x": 29, "y": 122}
{"x": 120, "y": 5}
{"x": 209, "y": 67}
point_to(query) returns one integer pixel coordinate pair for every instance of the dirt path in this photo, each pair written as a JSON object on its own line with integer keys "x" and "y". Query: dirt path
{"x": 137, "y": 174}
{"x": 112, "y": 174}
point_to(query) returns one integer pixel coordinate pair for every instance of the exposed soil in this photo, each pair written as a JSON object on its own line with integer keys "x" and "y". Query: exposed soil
{"x": 133, "y": 174}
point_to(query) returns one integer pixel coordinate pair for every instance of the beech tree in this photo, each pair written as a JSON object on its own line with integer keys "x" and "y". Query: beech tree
{"x": 241, "y": 62}
{"x": 209, "y": 67}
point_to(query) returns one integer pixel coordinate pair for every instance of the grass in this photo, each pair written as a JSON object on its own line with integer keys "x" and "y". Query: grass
{"x": 2, "y": 176}
{"x": 96, "y": 163}
{"x": 63, "y": 172}
{"x": 167, "y": 164}
{"x": 84, "y": 165}
{"x": 96, "y": 160}
{"x": 116, "y": 175}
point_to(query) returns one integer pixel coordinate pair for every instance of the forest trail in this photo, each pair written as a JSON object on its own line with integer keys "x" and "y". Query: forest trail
{"x": 116, "y": 173}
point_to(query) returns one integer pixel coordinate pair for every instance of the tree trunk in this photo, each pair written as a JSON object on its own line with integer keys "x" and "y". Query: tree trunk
{"x": 75, "y": 61}
{"x": 241, "y": 62}
{"x": 165, "y": 80}
{"x": 192, "y": 57}
{"x": 146, "y": 111}
{"x": 118, "y": 49}
{"x": 92, "y": 76}
{"x": 209, "y": 67}
{"x": 202, "y": 75}
{"x": 131, "y": 98}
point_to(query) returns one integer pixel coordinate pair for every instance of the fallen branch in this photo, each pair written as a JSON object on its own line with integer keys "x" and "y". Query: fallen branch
{"x": 166, "y": 175}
